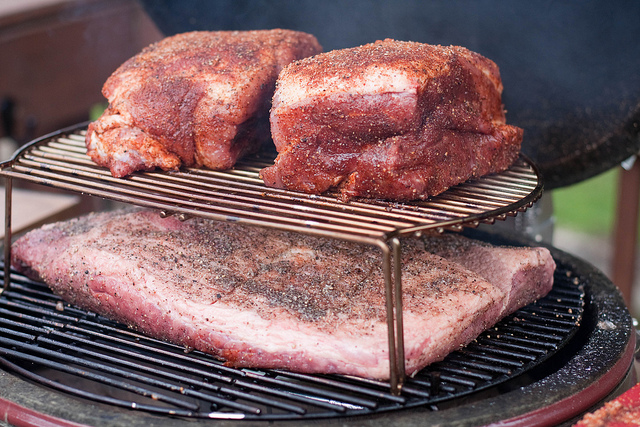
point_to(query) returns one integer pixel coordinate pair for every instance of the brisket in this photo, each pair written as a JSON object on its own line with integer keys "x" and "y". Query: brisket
{"x": 272, "y": 299}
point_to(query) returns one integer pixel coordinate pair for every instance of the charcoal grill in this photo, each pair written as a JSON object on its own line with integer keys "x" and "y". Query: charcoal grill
{"x": 130, "y": 379}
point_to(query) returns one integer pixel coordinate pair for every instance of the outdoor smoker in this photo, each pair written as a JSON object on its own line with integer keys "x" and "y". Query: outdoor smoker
{"x": 571, "y": 82}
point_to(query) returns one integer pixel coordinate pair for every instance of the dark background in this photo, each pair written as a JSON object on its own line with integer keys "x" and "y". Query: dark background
{"x": 571, "y": 70}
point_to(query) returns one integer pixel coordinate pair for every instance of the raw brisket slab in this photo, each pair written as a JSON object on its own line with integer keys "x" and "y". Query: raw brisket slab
{"x": 393, "y": 120}
{"x": 515, "y": 270}
{"x": 270, "y": 299}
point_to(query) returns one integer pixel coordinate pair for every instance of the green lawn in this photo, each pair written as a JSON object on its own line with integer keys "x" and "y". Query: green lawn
{"x": 588, "y": 206}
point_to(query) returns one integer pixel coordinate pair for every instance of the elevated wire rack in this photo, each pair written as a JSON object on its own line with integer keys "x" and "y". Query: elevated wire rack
{"x": 59, "y": 160}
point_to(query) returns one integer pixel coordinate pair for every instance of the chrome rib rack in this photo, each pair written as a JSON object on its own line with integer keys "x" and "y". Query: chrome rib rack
{"x": 59, "y": 160}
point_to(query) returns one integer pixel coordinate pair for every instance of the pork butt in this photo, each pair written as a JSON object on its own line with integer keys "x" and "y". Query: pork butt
{"x": 194, "y": 99}
{"x": 391, "y": 120}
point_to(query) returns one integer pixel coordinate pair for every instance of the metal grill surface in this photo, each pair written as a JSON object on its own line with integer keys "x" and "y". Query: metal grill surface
{"x": 239, "y": 195}
{"x": 77, "y": 352}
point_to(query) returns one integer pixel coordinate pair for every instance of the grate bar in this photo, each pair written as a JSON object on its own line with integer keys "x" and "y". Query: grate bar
{"x": 520, "y": 343}
{"x": 466, "y": 372}
{"x": 493, "y": 361}
{"x": 307, "y": 389}
{"x": 550, "y": 313}
{"x": 463, "y": 365}
{"x": 547, "y": 332}
{"x": 292, "y": 396}
{"x": 516, "y": 347}
{"x": 557, "y": 322}
{"x": 21, "y": 335}
{"x": 371, "y": 390}
{"x": 460, "y": 381}
{"x": 34, "y": 319}
{"x": 502, "y": 354}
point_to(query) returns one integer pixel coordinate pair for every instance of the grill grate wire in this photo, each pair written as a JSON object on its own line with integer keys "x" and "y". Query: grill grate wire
{"x": 81, "y": 353}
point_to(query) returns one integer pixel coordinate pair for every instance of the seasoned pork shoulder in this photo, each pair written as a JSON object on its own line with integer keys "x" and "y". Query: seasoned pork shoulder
{"x": 392, "y": 120}
{"x": 193, "y": 99}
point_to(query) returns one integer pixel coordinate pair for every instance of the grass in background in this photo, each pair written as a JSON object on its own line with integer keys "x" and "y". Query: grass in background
{"x": 96, "y": 110}
{"x": 588, "y": 206}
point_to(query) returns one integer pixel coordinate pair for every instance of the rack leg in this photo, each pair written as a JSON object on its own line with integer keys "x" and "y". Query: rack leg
{"x": 8, "y": 189}
{"x": 625, "y": 232}
{"x": 393, "y": 293}
{"x": 399, "y": 325}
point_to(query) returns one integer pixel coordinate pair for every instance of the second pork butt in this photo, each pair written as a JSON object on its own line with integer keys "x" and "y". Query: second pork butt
{"x": 392, "y": 120}
{"x": 271, "y": 299}
{"x": 193, "y": 99}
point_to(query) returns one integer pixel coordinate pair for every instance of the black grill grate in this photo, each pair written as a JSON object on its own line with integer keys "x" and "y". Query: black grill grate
{"x": 77, "y": 352}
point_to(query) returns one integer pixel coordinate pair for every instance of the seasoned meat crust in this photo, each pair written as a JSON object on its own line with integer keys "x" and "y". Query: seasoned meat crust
{"x": 393, "y": 120}
{"x": 271, "y": 299}
{"x": 193, "y": 99}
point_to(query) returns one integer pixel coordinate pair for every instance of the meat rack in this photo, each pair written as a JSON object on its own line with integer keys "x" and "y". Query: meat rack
{"x": 238, "y": 195}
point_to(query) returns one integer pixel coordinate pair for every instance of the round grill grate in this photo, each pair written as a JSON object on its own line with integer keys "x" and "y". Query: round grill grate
{"x": 80, "y": 353}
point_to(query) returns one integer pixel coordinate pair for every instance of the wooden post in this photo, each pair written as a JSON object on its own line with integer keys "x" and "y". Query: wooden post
{"x": 626, "y": 230}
